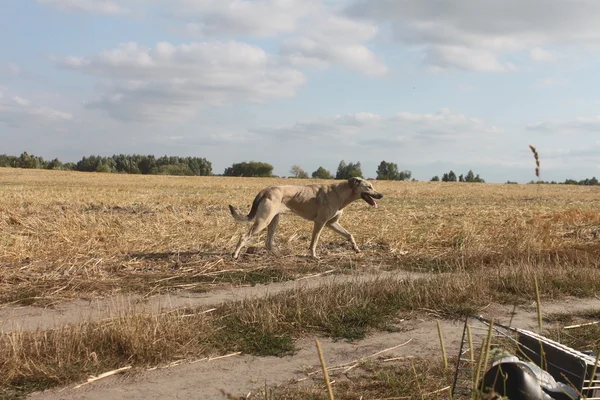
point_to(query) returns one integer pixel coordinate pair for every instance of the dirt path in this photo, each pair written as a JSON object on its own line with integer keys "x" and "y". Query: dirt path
{"x": 242, "y": 374}
{"x": 30, "y": 318}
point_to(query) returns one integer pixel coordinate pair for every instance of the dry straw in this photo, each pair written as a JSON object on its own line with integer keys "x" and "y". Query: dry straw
{"x": 483, "y": 356}
{"x": 537, "y": 160}
{"x": 324, "y": 367}
{"x": 444, "y": 357}
{"x": 538, "y": 303}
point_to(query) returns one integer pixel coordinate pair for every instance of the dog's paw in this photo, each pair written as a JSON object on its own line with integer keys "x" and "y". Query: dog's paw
{"x": 252, "y": 250}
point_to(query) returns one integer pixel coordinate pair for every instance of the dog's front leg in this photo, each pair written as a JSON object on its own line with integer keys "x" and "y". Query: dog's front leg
{"x": 335, "y": 226}
{"x": 318, "y": 228}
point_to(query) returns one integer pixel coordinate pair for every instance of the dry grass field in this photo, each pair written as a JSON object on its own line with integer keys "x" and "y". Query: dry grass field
{"x": 70, "y": 235}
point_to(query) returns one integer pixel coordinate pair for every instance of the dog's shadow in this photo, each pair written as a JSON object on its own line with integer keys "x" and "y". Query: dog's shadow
{"x": 169, "y": 255}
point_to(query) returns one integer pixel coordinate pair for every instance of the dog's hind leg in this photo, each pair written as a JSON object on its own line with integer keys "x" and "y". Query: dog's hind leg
{"x": 266, "y": 214}
{"x": 335, "y": 226}
{"x": 271, "y": 232}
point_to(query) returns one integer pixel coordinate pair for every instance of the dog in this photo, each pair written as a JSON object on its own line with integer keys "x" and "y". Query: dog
{"x": 322, "y": 204}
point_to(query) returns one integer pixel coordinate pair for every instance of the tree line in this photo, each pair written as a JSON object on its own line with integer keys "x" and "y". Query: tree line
{"x": 175, "y": 165}
{"x": 121, "y": 163}
{"x": 451, "y": 177}
{"x": 385, "y": 171}
{"x": 584, "y": 182}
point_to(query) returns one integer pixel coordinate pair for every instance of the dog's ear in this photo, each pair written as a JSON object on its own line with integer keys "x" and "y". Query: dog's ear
{"x": 354, "y": 182}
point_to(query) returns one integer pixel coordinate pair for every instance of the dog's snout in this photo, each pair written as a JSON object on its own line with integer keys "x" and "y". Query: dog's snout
{"x": 378, "y": 196}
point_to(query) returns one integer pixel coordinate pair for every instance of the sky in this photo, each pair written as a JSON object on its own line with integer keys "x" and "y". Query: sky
{"x": 430, "y": 85}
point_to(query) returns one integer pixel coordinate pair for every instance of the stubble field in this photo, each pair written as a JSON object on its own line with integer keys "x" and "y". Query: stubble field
{"x": 431, "y": 250}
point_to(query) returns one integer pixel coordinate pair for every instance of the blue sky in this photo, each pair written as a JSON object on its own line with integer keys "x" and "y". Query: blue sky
{"x": 429, "y": 85}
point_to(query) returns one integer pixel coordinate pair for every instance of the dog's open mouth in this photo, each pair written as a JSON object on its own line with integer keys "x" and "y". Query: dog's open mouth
{"x": 367, "y": 197}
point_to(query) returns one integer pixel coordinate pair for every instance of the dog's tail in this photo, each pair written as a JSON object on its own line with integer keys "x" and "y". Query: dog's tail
{"x": 252, "y": 212}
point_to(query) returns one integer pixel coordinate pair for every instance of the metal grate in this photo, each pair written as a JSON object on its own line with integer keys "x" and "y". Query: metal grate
{"x": 563, "y": 363}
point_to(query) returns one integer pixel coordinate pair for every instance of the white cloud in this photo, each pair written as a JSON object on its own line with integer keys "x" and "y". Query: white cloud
{"x": 541, "y": 55}
{"x": 313, "y": 32}
{"x": 170, "y": 81}
{"x": 21, "y": 101}
{"x": 548, "y": 82}
{"x": 443, "y": 124}
{"x": 14, "y": 68}
{"x": 577, "y": 125}
{"x": 339, "y": 127}
{"x": 330, "y": 27}
{"x": 444, "y": 57}
{"x": 224, "y": 138}
{"x": 304, "y": 52}
{"x": 328, "y": 39}
{"x": 10, "y": 70}
{"x": 467, "y": 88}
{"x": 591, "y": 151}
{"x": 313, "y": 35}
{"x": 261, "y": 18}
{"x": 369, "y": 128}
{"x": 102, "y": 7}
{"x": 18, "y": 111}
{"x": 407, "y": 138}
{"x": 484, "y": 29}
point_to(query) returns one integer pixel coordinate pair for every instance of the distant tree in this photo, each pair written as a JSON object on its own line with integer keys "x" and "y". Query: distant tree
{"x": 173, "y": 169}
{"x": 470, "y": 177}
{"x": 322, "y": 173}
{"x": 405, "y": 175}
{"x": 199, "y": 166}
{"x": 126, "y": 164}
{"x": 55, "y": 164}
{"x": 347, "y": 171}
{"x": 387, "y": 171}
{"x": 123, "y": 163}
{"x": 589, "y": 182}
{"x": 297, "y": 172}
{"x": 29, "y": 161}
{"x": 449, "y": 177}
{"x": 89, "y": 164}
{"x": 435, "y": 179}
{"x": 251, "y": 168}
{"x": 103, "y": 167}
{"x": 461, "y": 178}
{"x": 146, "y": 164}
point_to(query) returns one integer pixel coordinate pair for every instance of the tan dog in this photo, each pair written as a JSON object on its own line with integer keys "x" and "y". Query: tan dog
{"x": 322, "y": 204}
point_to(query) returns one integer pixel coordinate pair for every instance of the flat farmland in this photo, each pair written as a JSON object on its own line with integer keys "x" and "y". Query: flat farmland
{"x": 103, "y": 271}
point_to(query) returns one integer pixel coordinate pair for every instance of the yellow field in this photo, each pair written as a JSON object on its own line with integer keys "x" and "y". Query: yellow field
{"x": 70, "y": 234}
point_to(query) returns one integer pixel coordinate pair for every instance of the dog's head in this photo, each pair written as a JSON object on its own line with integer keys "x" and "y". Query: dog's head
{"x": 366, "y": 191}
